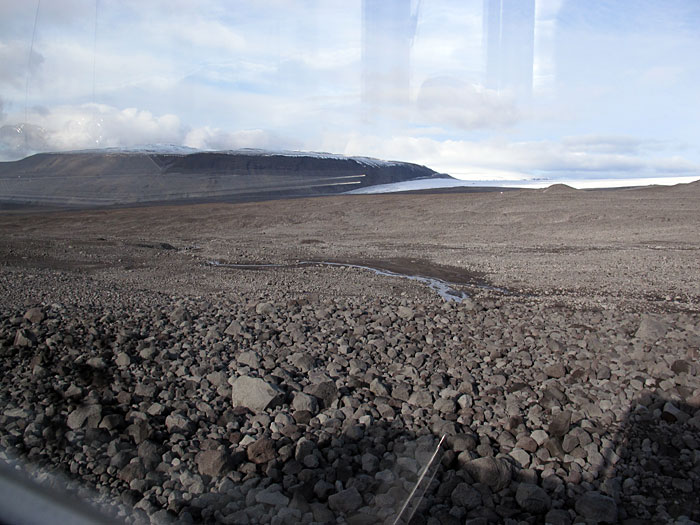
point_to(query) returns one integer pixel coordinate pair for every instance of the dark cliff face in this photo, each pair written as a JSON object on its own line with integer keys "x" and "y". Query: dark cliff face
{"x": 115, "y": 178}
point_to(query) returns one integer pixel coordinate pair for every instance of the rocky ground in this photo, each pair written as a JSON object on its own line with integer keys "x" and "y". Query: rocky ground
{"x": 190, "y": 392}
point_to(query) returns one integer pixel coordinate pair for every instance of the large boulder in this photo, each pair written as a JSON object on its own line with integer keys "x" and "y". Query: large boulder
{"x": 255, "y": 394}
{"x": 651, "y": 328}
{"x": 496, "y": 473}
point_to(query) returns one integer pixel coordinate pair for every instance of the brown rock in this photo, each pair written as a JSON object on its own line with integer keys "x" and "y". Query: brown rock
{"x": 561, "y": 421}
{"x": 494, "y": 472}
{"x": 557, "y": 370}
{"x": 34, "y": 315}
{"x": 212, "y": 462}
{"x": 262, "y": 451}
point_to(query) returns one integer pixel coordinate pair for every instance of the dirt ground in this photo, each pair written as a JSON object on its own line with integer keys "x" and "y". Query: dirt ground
{"x": 636, "y": 248}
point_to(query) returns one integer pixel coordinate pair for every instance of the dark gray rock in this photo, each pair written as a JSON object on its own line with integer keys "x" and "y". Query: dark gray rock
{"x": 596, "y": 507}
{"x": 149, "y": 453}
{"x": 346, "y": 501}
{"x": 304, "y": 362}
{"x": 133, "y": 471}
{"x": 234, "y": 328}
{"x": 682, "y": 366}
{"x": 465, "y": 496}
{"x": 557, "y": 517}
{"x": 272, "y": 497}
{"x": 326, "y": 392}
{"x": 179, "y": 315}
{"x": 560, "y": 424}
{"x": 88, "y": 416}
{"x": 249, "y": 358}
{"x": 532, "y": 498}
{"x": 379, "y": 388}
{"x": 177, "y": 422}
{"x": 306, "y": 402}
{"x": 421, "y": 398}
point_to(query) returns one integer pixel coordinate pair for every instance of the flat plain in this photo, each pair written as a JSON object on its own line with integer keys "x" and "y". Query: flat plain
{"x": 136, "y": 359}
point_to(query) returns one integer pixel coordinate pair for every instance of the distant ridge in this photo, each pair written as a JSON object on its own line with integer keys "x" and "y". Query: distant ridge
{"x": 167, "y": 174}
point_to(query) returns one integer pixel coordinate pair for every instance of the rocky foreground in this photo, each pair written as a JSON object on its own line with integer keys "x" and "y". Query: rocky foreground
{"x": 297, "y": 394}
{"x": 231, "y": 409}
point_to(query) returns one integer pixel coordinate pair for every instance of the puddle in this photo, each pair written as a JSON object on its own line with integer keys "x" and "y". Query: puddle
{"x": 445, "y": 289}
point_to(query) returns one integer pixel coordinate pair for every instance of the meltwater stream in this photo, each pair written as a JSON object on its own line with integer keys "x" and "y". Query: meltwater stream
{"x": 443, "y": 288}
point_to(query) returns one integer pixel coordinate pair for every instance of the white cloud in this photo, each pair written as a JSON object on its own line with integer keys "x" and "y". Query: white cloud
{"x": 14, "y": 60}
{"x": 453, "y": 102}
{"x": 88, "y": 126}
{"x": 207, "y": 138}
{"x": 502, "y": 160}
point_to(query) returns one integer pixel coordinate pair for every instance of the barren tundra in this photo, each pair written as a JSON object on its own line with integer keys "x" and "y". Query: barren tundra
{"x": 140, "y": 361}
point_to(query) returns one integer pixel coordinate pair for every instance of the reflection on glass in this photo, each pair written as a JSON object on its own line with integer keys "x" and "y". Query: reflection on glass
{"x": 509, "y": 37}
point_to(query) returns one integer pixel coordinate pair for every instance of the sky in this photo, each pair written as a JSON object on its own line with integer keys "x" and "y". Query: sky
{"x": 505, "y": 90}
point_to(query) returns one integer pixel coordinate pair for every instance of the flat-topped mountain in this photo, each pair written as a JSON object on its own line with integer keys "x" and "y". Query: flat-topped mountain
{"x": 118, "y": 177}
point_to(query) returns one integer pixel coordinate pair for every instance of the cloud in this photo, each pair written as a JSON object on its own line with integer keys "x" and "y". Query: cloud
{"x": 13, "y": 57}
{"x": 611, "y": 144}
{"x": 88, "y": 126}
{"x": 453, "y": 102}
{"x": 498, "y": 159}
{"x": 207, "y": 138}
{"x": 17, "y": 140}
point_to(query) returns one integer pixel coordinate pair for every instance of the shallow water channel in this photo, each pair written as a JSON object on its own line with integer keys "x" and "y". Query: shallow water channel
{"x": 444, "y": 289}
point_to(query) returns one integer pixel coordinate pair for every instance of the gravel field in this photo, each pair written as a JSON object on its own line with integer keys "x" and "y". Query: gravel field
{"x": 566, "y": 384}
